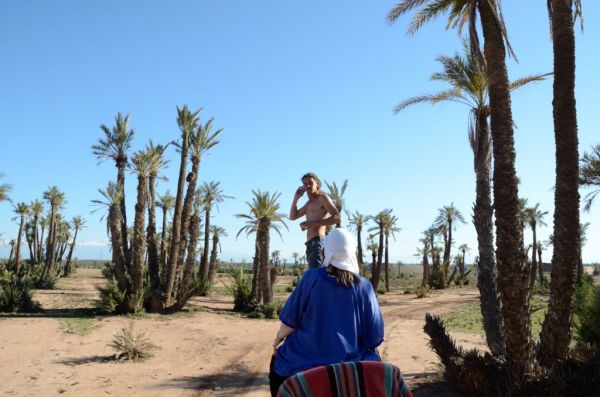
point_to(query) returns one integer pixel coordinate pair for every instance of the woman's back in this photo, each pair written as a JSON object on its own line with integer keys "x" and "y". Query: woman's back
{"x": 332, "y": 323}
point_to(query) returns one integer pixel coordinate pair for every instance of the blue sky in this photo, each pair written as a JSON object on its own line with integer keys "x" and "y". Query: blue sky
{"x": 297, "y": 87}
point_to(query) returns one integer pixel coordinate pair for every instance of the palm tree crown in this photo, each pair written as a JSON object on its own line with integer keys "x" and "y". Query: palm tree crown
{"x": 263, "y": 205}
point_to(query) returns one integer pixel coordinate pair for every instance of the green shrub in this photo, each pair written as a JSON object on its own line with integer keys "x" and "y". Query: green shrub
{"x": 15, "y": 295}
{"x": 256, "y": 314}
{"x": 587, "y": 312}
{"x": 241, "y": 290}
{"x": 408, "y": 290}
{"x": 111, "y": 297}
{"x": 270, "y": 310}
{"x": 421, "y": 292}
{"x": 108, "y": 271}
{"x": 289, "y": 288}
{"x": 381, "y": 290}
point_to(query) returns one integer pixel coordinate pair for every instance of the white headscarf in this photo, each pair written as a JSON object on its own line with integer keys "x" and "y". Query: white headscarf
{"x": 340, "y": 250}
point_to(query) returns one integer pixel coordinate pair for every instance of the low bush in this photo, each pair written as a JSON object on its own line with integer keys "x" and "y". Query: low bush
{"x": 587, "y": 312}
{"x": 421, "y": 292}
{"x": 15, "y": 295}
{"x": 241, "y": 290}
{"x": 131, "y": 345}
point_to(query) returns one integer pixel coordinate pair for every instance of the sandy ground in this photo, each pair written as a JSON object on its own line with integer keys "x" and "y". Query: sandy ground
{"x": 208, "y": 351}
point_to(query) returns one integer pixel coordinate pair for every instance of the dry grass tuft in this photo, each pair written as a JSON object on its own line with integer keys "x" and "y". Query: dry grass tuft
{"x": 130, "y": 345}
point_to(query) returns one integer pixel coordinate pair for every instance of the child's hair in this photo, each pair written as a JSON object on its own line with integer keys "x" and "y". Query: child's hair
{"x": 343, "y": 277}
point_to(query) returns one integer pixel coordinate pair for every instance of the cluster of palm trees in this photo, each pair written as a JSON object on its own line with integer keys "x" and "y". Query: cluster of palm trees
{"x": 441, "y": 256}
{"x": 46, "y": 260}
{"x": 152, "y": 271}
{"x": 480, "y": 80}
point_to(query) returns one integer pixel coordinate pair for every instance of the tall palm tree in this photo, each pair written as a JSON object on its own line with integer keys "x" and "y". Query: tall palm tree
{"x": 165, "y": 203}
{"x": 356, "y": 221}
{"x": 589, "y": 174}
{"x": 379, "y": 220}
{"x": 263, "y": 218}
{"x": 556, "y": 330}
{"x": 22, "y": 211}
{"x": 115, "y": 145}
{"x": 463, "y": 248}
{"x": 509, "y": 237}
{"x": 201, "y": 141}
{"x": 212, "y": 195}
{"x": 217, "y": 233}
{"x": 111, "y": 202}
{"x": 374, "y": 248}
{"x": 37, "y": 209}
{"x": 78, "y": 222}
{"x": 534, "y": 218}
{"x": 389, "y": 228}
{"x": 56, "y": 198}
{"x": 141, "y": 167}
{"x": 156, "y": 162}
{"x": 337, "y": 196}
{"x": 448, "y": 219}
{"x": 469, "y": 86}
{"x": 187, "y": 122}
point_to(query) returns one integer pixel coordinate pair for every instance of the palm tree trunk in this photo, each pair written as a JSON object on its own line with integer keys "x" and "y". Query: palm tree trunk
{"x": 139, "y": 238}
{"x": 213, "y": 259}
{"x": 121, "y": 165}
{"x": 534, "y": 265}
{"x": 183, "y": 293}
{"x": 387, "y": 263}
{"x": 254, "y": 294}
{"x": 153, "y": 254}
{"x": 482, "y": 219}
{"x": 190, "y": 195}
{"x": 163, "y": 243}
{"x": 425, "y": 279}
{"x": 377, "y": 267}
{"x": 513, "y": 274}
{"x": 18, "y": 247}
{"x": 204, "y": 257}
{"x": 540, "y": 265}
{"x": 264, "y": 276}
{"x": 178, "y": 212}
{"x": 49, "y": 246}
{"x": 360, "y": 250}
{"x": 68, "y": 267}
{"x": 556, "y": 330}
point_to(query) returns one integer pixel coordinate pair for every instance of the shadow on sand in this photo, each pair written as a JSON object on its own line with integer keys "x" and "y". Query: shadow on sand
{"x": 237, "y": 381}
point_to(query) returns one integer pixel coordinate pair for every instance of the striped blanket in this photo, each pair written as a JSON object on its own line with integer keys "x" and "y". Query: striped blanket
{"x": 350, "y": 379}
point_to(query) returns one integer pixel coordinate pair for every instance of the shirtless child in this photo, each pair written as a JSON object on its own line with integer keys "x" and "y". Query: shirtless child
{"x": 320, "y": 212}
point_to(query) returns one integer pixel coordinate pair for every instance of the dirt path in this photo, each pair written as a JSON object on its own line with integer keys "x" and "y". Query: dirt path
{"x": 206, "y": 352}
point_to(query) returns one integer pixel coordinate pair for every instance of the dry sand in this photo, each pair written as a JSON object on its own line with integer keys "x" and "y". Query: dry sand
{"x": 208, "y": 351}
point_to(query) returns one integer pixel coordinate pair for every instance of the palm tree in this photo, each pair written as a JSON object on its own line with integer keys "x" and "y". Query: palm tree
{"x": 217, "y": 233}
{"x": 201, "y": 141}
{"x": 111, "y": 201}
{"x": 37, "y": 208}
{"x": 78, "y": 223}
{"x": 463, "y": 248}
{"x": 509, "y": 239}
{"x": 115, "y": 146}
{"x": 534, "y": 218}
{"x": 187, "y": 122}
{"x": 141, "y": 167}
{"x": 556, "y": 330}
{"x": 424, "y": 252}
{"x": 447, "y": 220}
{"x": 56, "y": 198}
{"x": 211, "y": 195}
{"x": 22, "y": 211}
{"x": 469, "y": 86}
{"x": 389, "y": 228}
{"x": 374, "y": 248}
{"x": 356, "y": 221}
{"x": 380, "y": 220}
{"x": 165, "y": 203}
{"x": 589, "y": 174}
{"x": 262, "y": 218}
{"x": 337, "y": 196}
